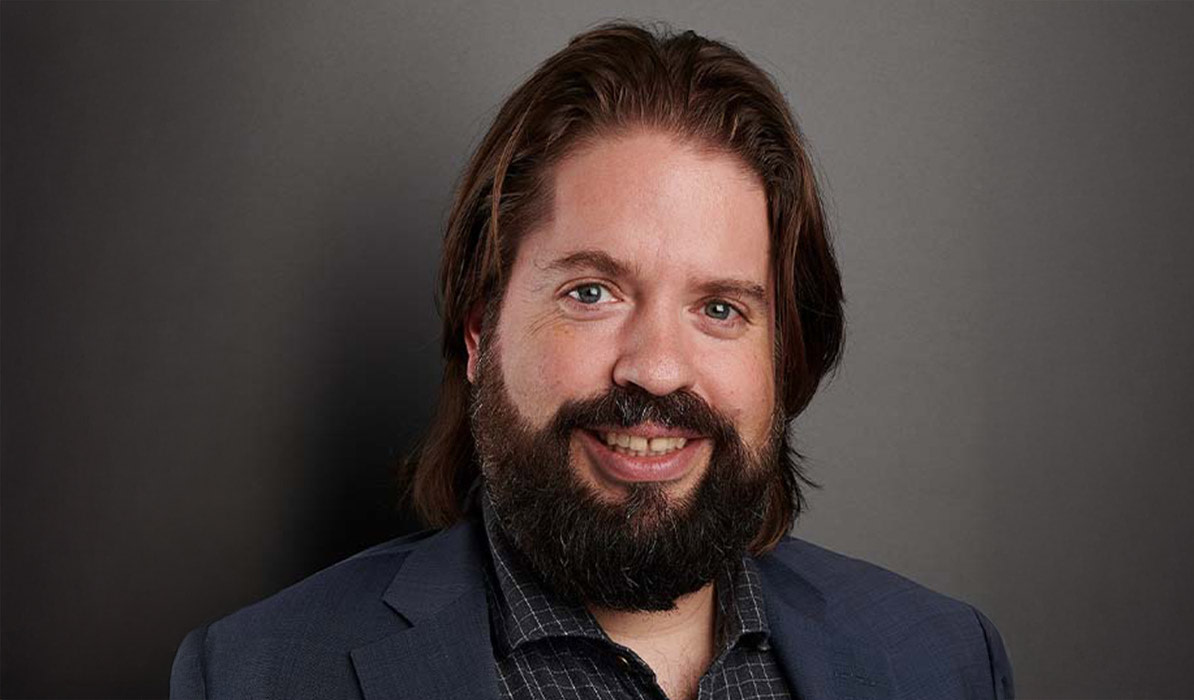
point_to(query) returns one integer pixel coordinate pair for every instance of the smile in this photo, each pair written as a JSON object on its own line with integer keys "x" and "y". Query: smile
{"x": 638, "y": 458}
{"x": 636, "y": 446}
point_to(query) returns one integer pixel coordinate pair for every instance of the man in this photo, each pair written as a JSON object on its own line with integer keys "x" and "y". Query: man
{"x": 638, "y": 295}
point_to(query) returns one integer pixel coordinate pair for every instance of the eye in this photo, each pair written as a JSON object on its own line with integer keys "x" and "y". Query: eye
{"x": 589, "y": 293}
{"x": 721, "y": 310}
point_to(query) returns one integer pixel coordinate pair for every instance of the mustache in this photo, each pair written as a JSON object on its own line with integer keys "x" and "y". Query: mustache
{"x": 631, "y": 405}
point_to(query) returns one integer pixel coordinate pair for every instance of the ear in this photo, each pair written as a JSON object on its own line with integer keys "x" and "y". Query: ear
{"x": 472, "y": 338}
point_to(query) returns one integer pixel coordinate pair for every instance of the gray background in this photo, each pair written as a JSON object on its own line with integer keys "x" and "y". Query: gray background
{"x": 220, "y": 227}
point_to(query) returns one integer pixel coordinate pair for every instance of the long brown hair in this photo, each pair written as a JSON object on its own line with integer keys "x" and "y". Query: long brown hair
{"x": 606, "y": 81}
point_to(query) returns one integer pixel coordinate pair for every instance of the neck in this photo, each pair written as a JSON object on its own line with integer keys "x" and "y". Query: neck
{"x": 694, "y": 616}
{"x": 678, "y": 645}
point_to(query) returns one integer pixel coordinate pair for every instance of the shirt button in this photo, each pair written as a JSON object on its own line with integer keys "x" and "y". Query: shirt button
{"x": 623, "y": 661}
{"x": 764, "y": 645}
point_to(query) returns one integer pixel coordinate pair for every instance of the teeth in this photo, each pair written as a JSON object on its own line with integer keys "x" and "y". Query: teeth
{"x": 661, "y": 444}
{"x": 641, "y": 446}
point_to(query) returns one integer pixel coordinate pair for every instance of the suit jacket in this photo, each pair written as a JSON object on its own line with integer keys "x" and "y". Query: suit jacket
{"x": 409, "y": 619}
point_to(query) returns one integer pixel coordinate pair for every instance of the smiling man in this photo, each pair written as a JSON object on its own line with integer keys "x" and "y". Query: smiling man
{"x": 639, "y": 294}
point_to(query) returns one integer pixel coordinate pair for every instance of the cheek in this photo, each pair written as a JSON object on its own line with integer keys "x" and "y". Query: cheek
{"x": 742, "y": 385}
{"x": 556, "y": 363}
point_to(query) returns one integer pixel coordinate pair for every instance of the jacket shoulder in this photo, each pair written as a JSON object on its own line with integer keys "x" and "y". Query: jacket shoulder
{"x": 933, "y": 640}
{"x": 296, "y": 642}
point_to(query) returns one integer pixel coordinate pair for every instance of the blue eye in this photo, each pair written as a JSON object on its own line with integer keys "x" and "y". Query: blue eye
{"x": 587, "y": 293}
{"x": 720, "y": 310}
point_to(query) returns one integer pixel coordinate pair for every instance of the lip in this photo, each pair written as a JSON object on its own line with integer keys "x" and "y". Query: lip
{"x": 619, "y": 467}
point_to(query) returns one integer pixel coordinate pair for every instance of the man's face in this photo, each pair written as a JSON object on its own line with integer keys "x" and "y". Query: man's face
{"x": 638, "y": 313}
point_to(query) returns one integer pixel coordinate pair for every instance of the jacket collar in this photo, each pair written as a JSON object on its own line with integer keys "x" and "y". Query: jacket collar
{"x": 821, "y": 661}
{"x": 447, "y": 651}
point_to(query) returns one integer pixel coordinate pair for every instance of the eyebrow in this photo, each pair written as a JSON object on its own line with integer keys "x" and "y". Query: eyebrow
{"x": 610, "y": 266}
{"x": 598, "y": 260}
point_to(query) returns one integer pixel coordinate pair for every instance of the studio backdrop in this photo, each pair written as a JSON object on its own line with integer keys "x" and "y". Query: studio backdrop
{"x": 221, "y": 224}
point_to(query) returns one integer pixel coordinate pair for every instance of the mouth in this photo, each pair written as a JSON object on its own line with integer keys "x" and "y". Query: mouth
{"x": 635, "y": 457}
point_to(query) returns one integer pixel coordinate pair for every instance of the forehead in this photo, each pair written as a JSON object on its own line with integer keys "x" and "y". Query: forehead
{"x": 660, "y": 204}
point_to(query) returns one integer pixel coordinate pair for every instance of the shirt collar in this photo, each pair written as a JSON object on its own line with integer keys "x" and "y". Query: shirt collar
{"x": 527, "y": 612}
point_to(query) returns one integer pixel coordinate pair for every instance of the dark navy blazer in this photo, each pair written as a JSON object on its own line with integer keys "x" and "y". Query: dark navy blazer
{"x": 409, "y": 619}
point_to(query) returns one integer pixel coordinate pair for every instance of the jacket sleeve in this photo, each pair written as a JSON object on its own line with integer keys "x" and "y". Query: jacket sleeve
{"x": 187, "y": 675}
{"x": 1001, "y": 667}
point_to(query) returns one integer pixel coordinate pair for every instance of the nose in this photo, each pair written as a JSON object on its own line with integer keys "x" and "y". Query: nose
{"x": 653, "y": 352}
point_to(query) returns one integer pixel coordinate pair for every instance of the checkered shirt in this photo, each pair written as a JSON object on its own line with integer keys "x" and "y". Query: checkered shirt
{"x": 546, "y": 650}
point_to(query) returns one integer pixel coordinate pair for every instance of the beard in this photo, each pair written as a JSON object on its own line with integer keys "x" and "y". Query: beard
{"x": 637, "y": 553}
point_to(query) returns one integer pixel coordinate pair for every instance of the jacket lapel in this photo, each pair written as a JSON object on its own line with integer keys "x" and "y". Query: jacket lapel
{"x": 821, "y": 662}
{"x": 446, "y": 652}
